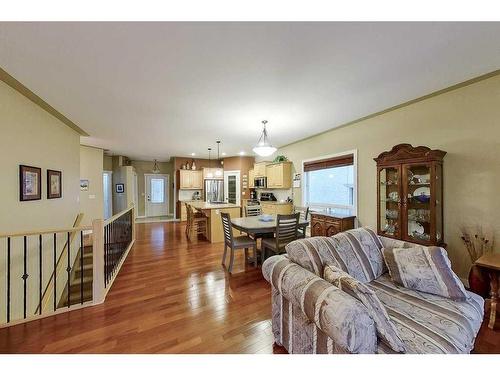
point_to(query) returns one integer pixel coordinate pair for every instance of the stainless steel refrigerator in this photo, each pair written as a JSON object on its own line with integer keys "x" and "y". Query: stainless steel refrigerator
{"x": 214, "y": 190}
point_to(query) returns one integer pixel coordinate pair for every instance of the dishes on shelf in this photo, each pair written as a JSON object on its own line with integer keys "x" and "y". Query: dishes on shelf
{"x": 416, "y": 227}
{"x": 393, "y": 196}
{"x": 391, "y": 214}
{"x": 422, "y": 194}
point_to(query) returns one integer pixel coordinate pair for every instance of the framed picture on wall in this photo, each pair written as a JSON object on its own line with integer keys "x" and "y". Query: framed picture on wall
{"x": 84, "y": 185}
{"x": 54, "y": 184}
{"x": 120, "y": 188}
{"x": 30, "y": 183}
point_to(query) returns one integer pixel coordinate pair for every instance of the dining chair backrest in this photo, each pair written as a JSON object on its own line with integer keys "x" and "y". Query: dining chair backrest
{"x": 303, "y": 211}
{"x": 227, "y": 227}
{"x": 254, "y": 210}
{"x": 286, "y": 229}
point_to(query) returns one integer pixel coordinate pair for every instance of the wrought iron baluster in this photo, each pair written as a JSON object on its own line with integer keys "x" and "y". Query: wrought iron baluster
{"x": 8, "y": 279}
{"x": 55, "y": 271}
{"x": 81, "y": 267}
{"x": 68, "y": 270}
{"x": 25, "y": 275}
{"x": 40, "y": 272}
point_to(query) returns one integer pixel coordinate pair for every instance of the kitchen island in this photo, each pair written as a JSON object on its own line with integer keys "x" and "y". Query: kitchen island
{"x": 212, "y": 211}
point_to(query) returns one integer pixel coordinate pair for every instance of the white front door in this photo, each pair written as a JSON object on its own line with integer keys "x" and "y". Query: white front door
{"x": 232, "y": 192}
{"x": 156, "y": 194}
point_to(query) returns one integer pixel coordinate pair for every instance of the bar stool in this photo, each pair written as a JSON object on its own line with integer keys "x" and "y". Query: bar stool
{"x": 196, "y": 223}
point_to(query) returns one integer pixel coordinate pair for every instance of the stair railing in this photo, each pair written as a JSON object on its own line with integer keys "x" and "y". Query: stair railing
{"x": 32, "y": 285}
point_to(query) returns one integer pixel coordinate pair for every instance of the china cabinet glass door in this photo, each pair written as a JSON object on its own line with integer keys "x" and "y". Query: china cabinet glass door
{"x": 418, "y": 202}
{"x": 390, "y": 201}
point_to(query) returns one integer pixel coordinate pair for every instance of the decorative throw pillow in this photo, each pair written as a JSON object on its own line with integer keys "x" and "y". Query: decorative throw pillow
{"x": 426, "y": 269}
{"x": 385, "y": 328}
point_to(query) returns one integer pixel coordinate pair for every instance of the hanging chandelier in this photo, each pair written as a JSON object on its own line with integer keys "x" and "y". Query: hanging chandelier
{"x": 264, "y": 147}
{"x": 156, "y": 168}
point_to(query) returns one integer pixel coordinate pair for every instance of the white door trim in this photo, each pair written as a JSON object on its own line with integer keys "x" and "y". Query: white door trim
{"x": 167, "y": 185}
{"x": 236, "y": 173}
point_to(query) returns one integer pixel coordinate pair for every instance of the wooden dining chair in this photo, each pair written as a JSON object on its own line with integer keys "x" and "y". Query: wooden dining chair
{"x": 304, "y": 216}
{"x": 254, "y": 210}
{"x": 196, "y": 224}
{"x": 235, "y": 243}
{"x": 286, "y": 232}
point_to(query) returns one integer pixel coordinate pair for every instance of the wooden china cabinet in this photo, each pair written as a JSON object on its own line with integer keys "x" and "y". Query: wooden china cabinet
{"x": 410, "y": 194}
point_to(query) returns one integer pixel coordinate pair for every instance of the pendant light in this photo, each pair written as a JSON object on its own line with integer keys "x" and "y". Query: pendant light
{"x": 209, "y": 174}
{"x": 218, "y": 171}
{"x": 264, "y": 147}
{"x": 156, "y": 168}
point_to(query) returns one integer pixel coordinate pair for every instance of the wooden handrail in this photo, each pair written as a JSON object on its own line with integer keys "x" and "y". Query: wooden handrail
{"x": 49, "y": 231}
{"x": 114, "y": 217}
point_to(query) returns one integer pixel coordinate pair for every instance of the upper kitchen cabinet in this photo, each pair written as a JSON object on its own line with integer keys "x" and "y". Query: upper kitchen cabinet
{"x": 279, "y": 175}
{"x": 190, "y": 179}
{"x": 259, "y": 169}
{"x": 251, "y": 177}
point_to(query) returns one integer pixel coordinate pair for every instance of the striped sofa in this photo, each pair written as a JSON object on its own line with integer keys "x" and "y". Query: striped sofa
{"x": 311, "y": 315}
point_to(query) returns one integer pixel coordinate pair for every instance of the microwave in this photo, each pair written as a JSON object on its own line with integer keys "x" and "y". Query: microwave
{"x": 260, "y": 182}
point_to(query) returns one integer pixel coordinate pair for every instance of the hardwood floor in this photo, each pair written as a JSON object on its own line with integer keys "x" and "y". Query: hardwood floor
{"x": 171, "y": 296}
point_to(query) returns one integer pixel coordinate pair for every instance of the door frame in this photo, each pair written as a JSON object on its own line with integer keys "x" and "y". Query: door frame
{"x": 238, "y": 185}
{"x": 167, "y": 197}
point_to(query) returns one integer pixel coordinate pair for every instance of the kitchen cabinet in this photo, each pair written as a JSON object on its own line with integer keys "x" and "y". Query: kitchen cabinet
{"x": 189, "y": 179}
{"x": 251, "y": 177}
{"x": 259, "y": 169}
{"x": 279, "y": 175}
{"x": 329, "y": 225}
{"x": 275, "y": 208}
{"x": 213, "y": 174}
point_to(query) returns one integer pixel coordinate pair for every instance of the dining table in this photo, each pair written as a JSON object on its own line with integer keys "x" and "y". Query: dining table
{"x": 255, "y": 225}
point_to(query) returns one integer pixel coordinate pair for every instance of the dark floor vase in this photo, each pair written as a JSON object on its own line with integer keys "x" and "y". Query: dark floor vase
{"x": 478, "y": 281}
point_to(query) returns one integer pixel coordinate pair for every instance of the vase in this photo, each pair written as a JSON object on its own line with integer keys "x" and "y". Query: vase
{"x": 478, "y": 281}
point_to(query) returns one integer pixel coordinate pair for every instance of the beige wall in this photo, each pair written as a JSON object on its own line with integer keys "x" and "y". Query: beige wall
{"x": 465, "y": 123}
{"x": 121, "y": 201}
{"x": 145, "y": 167}
{"x": 29, "y": 135}
{"x": 107, "y": 164}
{"x": 91, "y": 167}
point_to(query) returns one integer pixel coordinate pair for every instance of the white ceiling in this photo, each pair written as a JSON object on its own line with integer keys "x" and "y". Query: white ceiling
{"x": 156, "y": 90}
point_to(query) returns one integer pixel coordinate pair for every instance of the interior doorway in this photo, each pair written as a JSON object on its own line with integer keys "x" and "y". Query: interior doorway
{"x": 232, "y": 193}
{"x": 107, "y": 181}
{"x": 156, "y": 194}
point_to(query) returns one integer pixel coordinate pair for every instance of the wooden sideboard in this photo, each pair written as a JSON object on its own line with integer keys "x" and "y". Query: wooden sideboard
{"x": 328, "y": 225}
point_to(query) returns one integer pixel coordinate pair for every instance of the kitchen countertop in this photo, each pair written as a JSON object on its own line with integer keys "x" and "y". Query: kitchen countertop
{"x": 274, "y": 202}
{"x": 200, "y": 205}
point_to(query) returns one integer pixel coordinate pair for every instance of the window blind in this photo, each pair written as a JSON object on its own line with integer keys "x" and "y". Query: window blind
{"x": 339, "y": 161}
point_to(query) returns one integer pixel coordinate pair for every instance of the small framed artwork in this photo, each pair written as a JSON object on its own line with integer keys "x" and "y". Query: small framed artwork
{"x": 30, "y": 183}
{"x": 120, "y": 188}
{"x": 84, "y": 185}
{"x": 54, "y": 184}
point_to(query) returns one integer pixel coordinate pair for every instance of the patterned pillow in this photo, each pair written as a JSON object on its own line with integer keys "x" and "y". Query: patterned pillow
{"x": 385, "y": 328}
{"x": 426, "y": 269}
{"x": 357, "y": 252}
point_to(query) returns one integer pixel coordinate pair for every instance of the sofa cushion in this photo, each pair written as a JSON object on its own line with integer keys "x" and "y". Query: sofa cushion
{"x": 426, "y": 269}
{"x": 357, "y": 252}
{"x": 428, "y": 323}
{"x": 342, "y": 318}
{"x": 385, "y": 328}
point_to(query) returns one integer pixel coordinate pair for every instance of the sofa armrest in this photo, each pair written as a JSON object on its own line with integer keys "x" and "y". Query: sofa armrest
{"x": 341, "y": 317}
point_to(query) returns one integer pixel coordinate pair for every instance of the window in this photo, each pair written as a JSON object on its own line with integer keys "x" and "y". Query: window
{"x": 157, "y": 190}
{"x": 330, "y": 184}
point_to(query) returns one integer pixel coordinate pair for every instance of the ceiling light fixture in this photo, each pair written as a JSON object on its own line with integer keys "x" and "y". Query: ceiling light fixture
{"x": 224, "y": 154}
{"x": 193, "y": 154}
{"x": 263, "y": 147}
{"x": 209, "y": 174}
{"x": 218, "y": 171}
{"x": 156, "y": 168}
{"x": 242, "y": 153}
